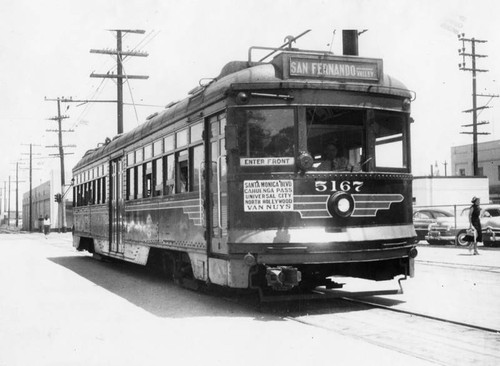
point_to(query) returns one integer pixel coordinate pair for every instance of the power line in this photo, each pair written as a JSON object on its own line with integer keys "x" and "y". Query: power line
{"x": 463, "y": 66}
{"x": 120, "y": 75}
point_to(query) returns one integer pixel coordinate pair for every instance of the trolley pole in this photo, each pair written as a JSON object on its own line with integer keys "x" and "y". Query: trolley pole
{"x": 462, "y": 66}
{"x": 120, "y": 75}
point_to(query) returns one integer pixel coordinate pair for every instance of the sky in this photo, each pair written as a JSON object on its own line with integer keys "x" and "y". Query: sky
{"x": 45, "y": 53}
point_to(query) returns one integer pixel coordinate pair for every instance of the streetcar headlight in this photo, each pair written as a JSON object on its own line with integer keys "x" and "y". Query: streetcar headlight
{"x": 406, "y": 104}
{"x": 304, "y": 161}
{"x": 340, "y": 204}
{"x": 242, "y": 98}
{"x": 343, "y": 205}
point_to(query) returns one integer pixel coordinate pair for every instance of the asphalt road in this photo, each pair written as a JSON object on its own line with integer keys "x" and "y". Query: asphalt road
{"x": 61, "y": 307}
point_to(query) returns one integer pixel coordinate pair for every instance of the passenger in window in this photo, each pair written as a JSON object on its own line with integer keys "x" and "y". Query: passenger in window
{"x": 182, "y": 182}
{"x": 333, "y": 162}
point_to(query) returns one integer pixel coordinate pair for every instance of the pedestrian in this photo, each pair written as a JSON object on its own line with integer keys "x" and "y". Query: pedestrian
{"x": 46, "y": 225}
{"x": 475, "y": 223}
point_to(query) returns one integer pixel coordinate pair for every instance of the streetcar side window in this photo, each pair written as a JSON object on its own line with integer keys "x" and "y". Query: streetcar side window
{"x": 130, "y": 184}
{"x": 182, "y": 172}
{"x": 390, "y": 146}
{"x": 148, "y": 179}
{"x": 158, "y": 177}
{"x": 197, "y": 159}
{"x": 103, "y": 189}
{"x": 98, "y": 197}
{"x": 266, "y": 132}
{"x": 170, "y": 174}
{"x": 93, "y": 199}
{"x": 139, "y": 181}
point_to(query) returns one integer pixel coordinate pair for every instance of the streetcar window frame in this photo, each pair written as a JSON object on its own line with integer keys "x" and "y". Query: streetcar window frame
{"x": 290, "y": 136}
{"x": 182, "y": 138}
{"x": 169, "y": 174}
{"x": 158, "y": 177}
{"x": 104, "y": 191}
{"x": 196, "y": 133}
{"x": 158, "y": 148}
{"x": 169, "y": 143}
{"x": 148, "y": 152}
{"x": 147, "y": 179}
{"x": 182, "y": 181}
{"x": 398, "y": 141}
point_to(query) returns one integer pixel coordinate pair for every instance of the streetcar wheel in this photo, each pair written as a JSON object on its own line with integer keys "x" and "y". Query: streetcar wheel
{"x": 460, "y": 239}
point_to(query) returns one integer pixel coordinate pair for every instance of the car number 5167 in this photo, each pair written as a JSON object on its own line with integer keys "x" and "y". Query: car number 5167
{"x": 334, "y": 186}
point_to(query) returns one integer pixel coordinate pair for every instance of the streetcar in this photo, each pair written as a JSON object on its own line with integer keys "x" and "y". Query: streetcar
{"x": 228, "y": 186}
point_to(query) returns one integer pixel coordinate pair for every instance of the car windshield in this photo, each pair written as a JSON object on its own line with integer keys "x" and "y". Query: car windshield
{"x": 485, "y": 212}
{"x": 494, "y": 212}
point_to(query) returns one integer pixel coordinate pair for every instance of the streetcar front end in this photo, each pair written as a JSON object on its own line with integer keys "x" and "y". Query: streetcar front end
{"x": 319, "y": 180}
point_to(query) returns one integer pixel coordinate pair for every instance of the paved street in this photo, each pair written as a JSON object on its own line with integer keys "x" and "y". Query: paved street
{"x": 61, "y": 307}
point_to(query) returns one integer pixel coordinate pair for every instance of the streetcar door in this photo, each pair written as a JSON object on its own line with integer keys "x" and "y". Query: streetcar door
{"x": 116, "y": 206}
{"x": 218, "y": 185}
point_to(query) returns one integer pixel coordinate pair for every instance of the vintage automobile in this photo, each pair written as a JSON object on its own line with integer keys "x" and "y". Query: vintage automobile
{"x": 423, "y": 217}
{"x": 491, "y": 236}
{"x": 451, "y": 230}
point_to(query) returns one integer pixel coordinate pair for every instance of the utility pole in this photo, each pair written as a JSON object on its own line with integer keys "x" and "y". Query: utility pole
{"x": 8, "y": 211}
{"x": 17, "y": 194}
{"x": 4, "y": 197}
{"x": 59, "y": 118}
{"x": 120, "y": 75}
{"x": 462, "y": 66}
{"x": 30, "y": 215}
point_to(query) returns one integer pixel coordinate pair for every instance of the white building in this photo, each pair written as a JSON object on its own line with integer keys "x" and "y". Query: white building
{"x": 449, "y": 191}
{"x": 488, "y": 164}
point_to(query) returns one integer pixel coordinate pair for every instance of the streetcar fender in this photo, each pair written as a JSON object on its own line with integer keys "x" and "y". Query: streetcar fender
{"x": 233, "y": 273}
{"x": 76, "y": 242}
{"x": 411, "y": 268}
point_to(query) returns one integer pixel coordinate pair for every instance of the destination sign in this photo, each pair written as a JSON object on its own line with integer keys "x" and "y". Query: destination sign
{"x": 334, "y": 69}
{"x": 268, "y": 195}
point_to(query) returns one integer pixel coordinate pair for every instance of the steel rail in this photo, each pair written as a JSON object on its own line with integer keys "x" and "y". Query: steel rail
{"x": 407, "y": 312}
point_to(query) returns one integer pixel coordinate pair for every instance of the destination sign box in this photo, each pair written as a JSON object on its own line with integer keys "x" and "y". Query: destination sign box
{"x": 268, "y": 195}
{"x": 335, "y": 68}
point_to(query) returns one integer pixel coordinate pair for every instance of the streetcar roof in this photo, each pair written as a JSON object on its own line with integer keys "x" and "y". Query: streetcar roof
{"x": 240, "y": 75}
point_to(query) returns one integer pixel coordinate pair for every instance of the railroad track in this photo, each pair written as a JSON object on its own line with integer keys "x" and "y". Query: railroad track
{"x": 426, "y": 338}
{"x": 426, "y": 316}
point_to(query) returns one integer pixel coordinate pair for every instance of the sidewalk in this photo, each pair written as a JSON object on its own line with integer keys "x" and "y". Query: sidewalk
{"x": 459, "y": 256}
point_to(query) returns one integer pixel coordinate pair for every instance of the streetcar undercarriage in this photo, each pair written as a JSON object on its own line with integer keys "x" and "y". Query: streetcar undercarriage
{"x": 269, "y": 278}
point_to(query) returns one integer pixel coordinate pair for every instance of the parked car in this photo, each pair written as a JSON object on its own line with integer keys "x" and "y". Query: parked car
{"x": 451, "y": 230}
{"x": 423, "y": 217}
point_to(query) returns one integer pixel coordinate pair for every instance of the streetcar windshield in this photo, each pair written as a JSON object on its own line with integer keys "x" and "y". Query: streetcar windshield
{"x": 388, "y": 132}
{"x": 266, "y": 132}
{"x": 335, "y": 138}
{"x": 341, "y": 139}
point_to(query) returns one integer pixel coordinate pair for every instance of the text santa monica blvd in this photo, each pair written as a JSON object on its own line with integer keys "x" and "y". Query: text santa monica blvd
{"x": 268, "y": 195}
